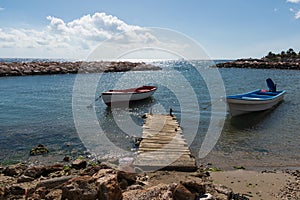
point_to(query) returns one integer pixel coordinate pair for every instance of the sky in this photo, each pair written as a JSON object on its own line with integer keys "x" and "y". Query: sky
{"x": 223, "y": 29}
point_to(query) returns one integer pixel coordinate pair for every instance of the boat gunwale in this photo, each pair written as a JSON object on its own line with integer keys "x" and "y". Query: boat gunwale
{"x": 268, "y": 97}
{"x": 119, "y": 92}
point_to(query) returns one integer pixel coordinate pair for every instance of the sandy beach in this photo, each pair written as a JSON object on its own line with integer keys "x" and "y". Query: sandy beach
{"x": 260, "y": 185}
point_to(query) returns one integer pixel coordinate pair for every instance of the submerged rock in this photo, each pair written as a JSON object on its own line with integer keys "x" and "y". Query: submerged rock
{"x": 40, "y": 149}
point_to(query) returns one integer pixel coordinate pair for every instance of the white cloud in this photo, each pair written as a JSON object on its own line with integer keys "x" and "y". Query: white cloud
{"x": 293, "y": 1}
{"x": 77, "y": 37}
{"x": 82, "y": 37}
{"x": 297, "y": 15}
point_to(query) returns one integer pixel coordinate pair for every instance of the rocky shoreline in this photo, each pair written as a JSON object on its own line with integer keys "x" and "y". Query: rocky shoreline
{"x": 293, "y": 64}
{"x": 84, "y": 179}
{"x": 51, "y": 67}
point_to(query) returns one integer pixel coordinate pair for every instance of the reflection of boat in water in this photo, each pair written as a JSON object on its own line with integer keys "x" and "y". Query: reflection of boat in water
{"x": 250, "y": 120}
{"x": 128, "y": 95}
{"x": 258, "y": 100}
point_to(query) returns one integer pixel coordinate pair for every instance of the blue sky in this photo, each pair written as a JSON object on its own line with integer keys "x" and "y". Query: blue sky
{"x": 72, "y": 29}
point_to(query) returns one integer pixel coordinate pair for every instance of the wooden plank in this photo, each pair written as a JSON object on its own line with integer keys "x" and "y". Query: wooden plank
{"x": 163, "y": 145}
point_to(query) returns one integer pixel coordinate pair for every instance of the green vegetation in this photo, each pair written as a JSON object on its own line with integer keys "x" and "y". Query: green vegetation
{"x": 290, "y": 54}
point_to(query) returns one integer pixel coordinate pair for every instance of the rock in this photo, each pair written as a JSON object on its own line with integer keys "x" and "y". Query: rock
{"x": 91, "y": 170}
{"x": 108, "y": 188}
{"x": 40, "y": 149}
{"x": 80, "y": 188}
{"x": 40, "y": 192}
{"x": 103, "y": 172}
{"x": 66, "y": 159}
{"x": 24, "y": 178}
{"x": 197, "y": 188}
{"x": 223, "y": 190}
{"x": 37, "y": 171}
{"x": 54, "y": 195}
{"x": 79, "y": 164}
{"x": 39, "y": 68}
{"x": 17, "y": 190}
{"x": 135, "y": 187}
{"x": 15, "y": 170}
{"x": 3, "y": 192}
{"x": 126, "y": 179}
{"x": 54, "y": 182}
{"x": 182, "y": 193}
{"x": 159, "y": 192}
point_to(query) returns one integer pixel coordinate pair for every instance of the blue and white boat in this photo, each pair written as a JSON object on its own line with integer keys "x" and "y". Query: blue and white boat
{"x": 258, "y": 100}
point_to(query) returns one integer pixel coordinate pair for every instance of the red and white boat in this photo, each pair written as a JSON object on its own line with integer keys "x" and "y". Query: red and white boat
{"x": 128, "y": 95}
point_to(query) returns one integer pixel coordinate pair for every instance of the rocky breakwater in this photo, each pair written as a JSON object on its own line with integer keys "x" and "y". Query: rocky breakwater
{"x": 88, "y": 180}
{"x": 292, "y": 64}
{"x": 43, "y": 68}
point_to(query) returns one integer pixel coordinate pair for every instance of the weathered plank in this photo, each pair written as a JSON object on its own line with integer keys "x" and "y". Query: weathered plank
{"x": 163, "y": 145}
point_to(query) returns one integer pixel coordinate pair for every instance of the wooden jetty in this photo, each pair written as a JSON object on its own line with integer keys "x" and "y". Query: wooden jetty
{"x": 163, "y": 146}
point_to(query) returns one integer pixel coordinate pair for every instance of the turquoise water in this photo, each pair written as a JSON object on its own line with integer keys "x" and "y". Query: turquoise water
{"x": 43, "y": 109}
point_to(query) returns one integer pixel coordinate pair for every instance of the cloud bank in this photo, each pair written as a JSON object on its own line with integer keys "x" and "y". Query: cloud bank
{"x": 74, "y": 39}
{"x": 293, "y": 1}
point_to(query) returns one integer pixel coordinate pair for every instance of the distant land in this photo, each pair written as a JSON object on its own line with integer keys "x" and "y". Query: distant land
{"x": 57, "y": 67}
{"x": 285, "y": 60}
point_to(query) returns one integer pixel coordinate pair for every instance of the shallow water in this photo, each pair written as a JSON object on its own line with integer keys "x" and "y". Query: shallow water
{"x": 52, "y": 110}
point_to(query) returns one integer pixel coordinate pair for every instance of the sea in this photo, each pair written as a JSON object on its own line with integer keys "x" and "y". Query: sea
{"x": 66, "y": 114}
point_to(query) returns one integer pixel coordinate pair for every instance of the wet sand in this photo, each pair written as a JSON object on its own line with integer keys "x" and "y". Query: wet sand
{"x": 259, "y": 185}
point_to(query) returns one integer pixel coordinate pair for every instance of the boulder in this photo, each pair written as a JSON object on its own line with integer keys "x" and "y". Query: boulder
{"x": 79, "y": 164}
{"x": 15, "y": 170}
{"x": 54, "y": 195}
{"x": 126, "y": 179}
{"x": 182, "y": 193}
{"x": 80, "y": 188}
{"x": 197, "y": 188}
{"x": 159, "y": 192}
{"x": 23, "y": 179}
{"x": 108, "y": 188}
{"x": 54, "y": 182}
{"x": 40, "y": 149}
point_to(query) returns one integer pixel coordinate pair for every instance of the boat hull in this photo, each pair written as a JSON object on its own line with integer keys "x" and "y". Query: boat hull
{"x": 127, "y": 96}
{"x": 243, "y": 104}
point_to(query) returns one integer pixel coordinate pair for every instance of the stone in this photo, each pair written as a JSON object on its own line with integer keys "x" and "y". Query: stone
{"x": 3, "y": 192}
{"x": 37, "y": 171}
{"x": 130, "y": 178}
{"x": 15, "y": 170}
{"x": 41, "y": 192}
{"x": 223, "y": 190}
{"x": 37, "y": 68}
{"x": 103, "y": 172}
{"x": 40, "y": 149}
{"x": 80, "y": 188}
{"x": 182, "y": 193}
{"x": 108, "y": 188}
{"x": 54, "y": 182}
{"x": 54, "y": 195}
{"x": 79, "y": 164}
{"x": 66, "y": 159}
{"x": 24, "y": 178}
{"x": 17, "y": 190}
{"x": 197, "y": 188}
{"x": 91, "y": 170}
{"x": 159, "y": 192}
